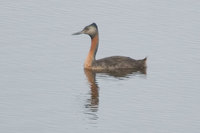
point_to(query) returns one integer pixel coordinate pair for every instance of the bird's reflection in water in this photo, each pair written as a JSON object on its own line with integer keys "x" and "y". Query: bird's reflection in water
{"x": 92, "y": 103}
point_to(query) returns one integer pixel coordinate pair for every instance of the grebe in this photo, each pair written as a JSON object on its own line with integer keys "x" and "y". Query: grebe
{"x": 109, "y": 63}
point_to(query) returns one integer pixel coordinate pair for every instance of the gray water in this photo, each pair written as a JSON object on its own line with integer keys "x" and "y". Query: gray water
{"x": 44, "y": 89}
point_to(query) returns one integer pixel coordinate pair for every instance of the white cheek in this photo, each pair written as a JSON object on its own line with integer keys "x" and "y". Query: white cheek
{"x": 92, "y": 30}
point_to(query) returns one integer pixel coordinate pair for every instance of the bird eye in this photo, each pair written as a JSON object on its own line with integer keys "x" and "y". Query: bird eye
{"x": 86, "y": 28}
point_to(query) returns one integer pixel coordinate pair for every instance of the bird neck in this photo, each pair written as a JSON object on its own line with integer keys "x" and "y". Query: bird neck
{"x": 93, "y": 50}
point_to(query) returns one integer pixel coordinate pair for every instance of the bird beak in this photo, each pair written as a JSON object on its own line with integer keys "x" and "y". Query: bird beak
{"x": 78, "y": 33}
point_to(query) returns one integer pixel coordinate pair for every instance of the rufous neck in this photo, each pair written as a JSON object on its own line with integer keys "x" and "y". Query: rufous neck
{"x": 93, "y": 50}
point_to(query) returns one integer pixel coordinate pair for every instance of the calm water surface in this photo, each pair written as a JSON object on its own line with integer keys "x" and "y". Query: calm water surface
{"x": 44, "y": 89}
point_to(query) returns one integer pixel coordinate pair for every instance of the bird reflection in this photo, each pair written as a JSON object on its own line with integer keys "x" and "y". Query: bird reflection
{"x": 122, "y": 72}
{"x": 93, "y": 102}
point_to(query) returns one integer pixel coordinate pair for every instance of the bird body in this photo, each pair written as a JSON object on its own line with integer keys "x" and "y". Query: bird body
{"x": 119, "y": 62}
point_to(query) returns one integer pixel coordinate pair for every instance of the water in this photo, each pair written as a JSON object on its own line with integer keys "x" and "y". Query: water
{"x": 45, "y": 89}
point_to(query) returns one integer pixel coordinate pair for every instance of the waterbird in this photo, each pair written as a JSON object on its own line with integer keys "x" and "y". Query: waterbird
{"x": 112, "y": 63}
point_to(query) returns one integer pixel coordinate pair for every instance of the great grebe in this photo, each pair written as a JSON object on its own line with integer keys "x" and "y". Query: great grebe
{"x": 108, "y": 63}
